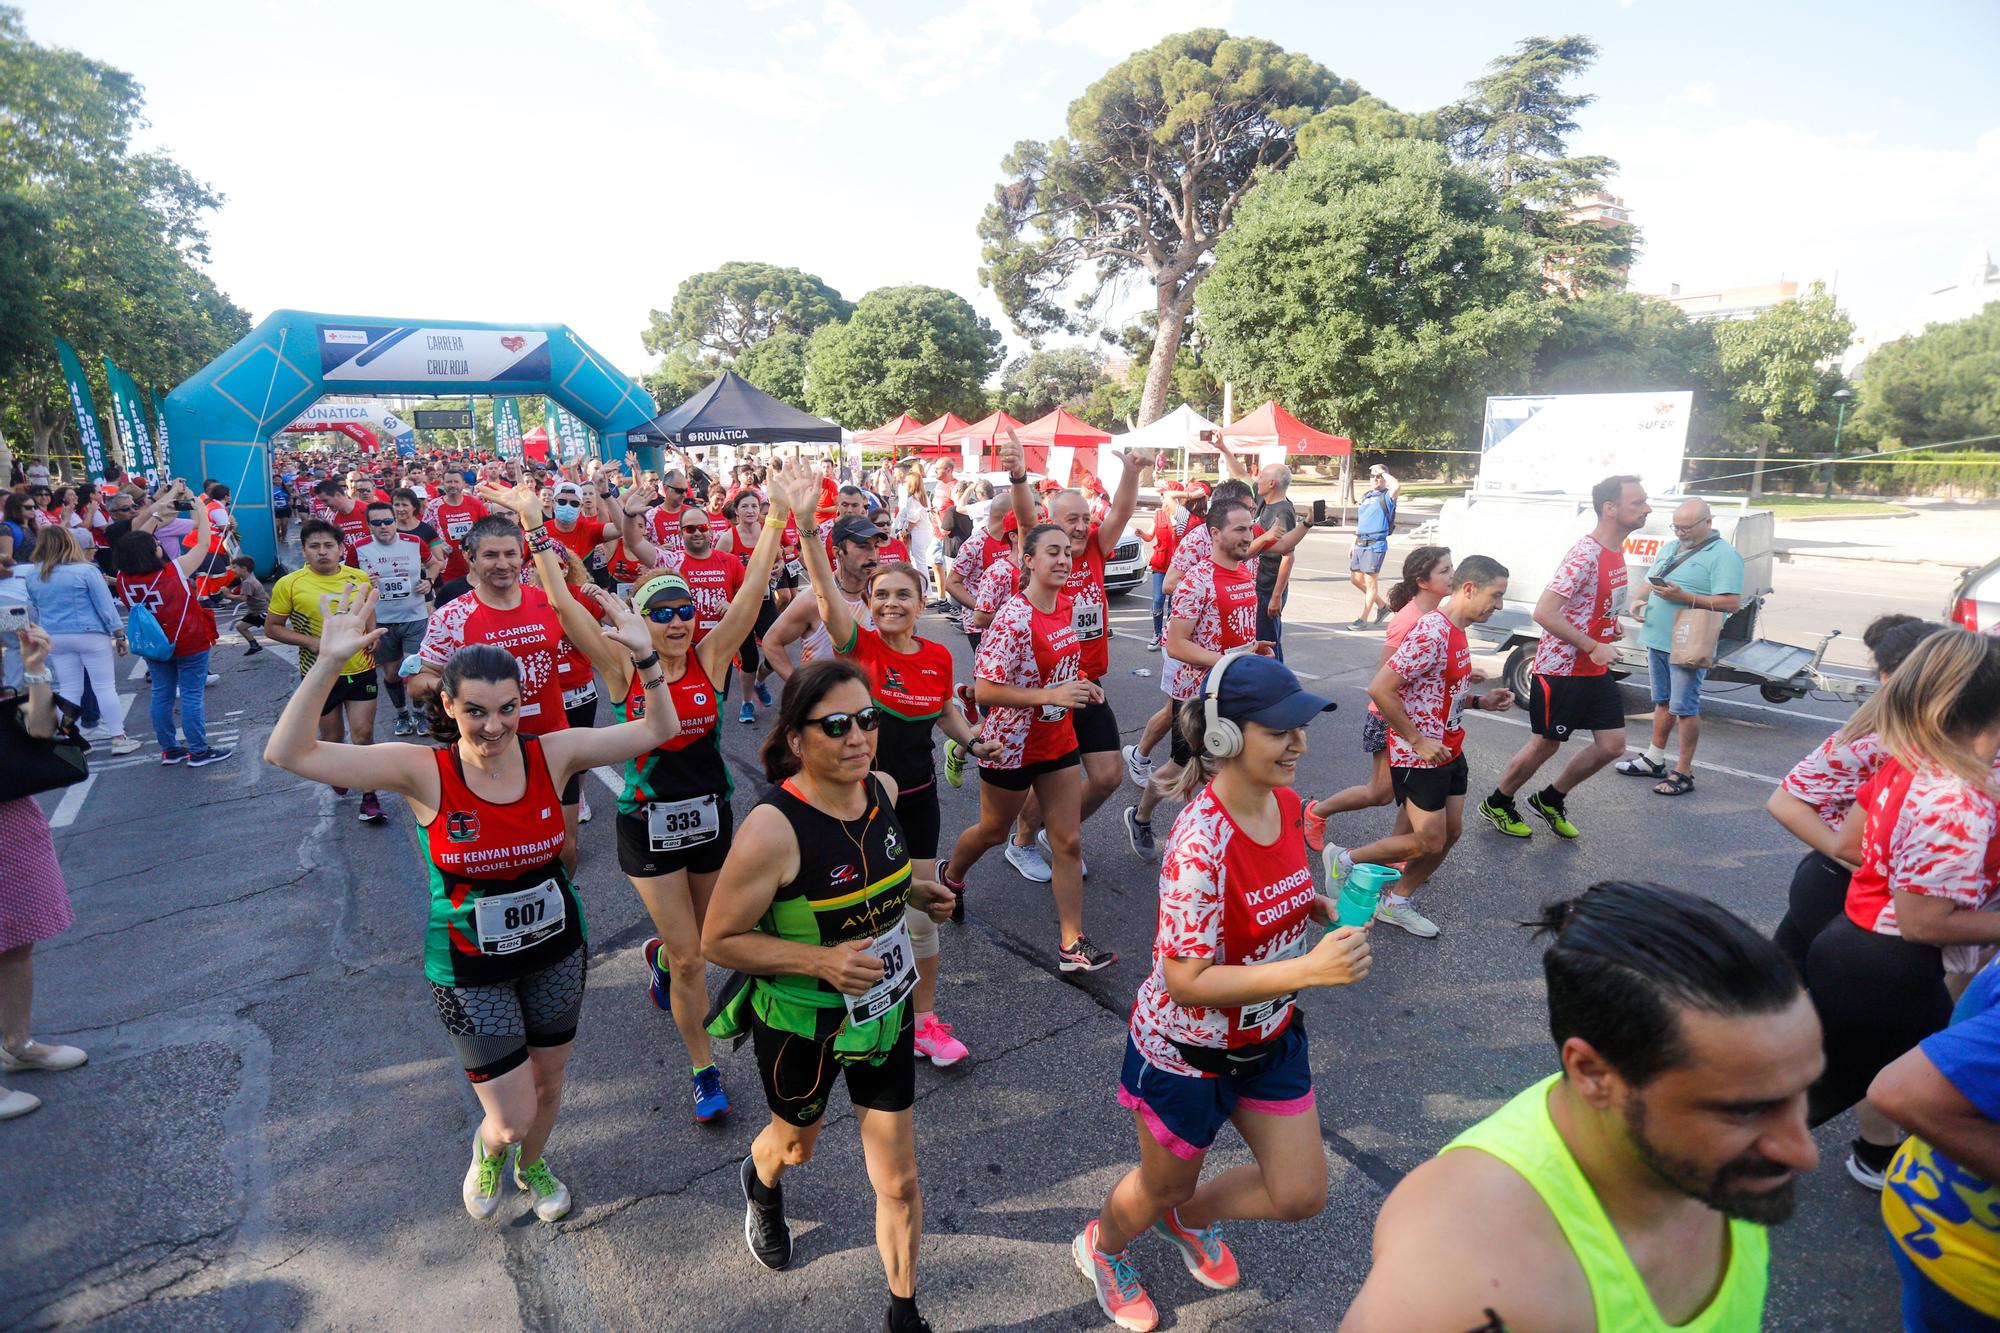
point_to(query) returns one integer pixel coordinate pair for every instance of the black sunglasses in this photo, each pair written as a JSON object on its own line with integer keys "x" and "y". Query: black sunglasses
{"x": 677, "y": 490}
{"x": 662, "y": 615}
{"x": 835, "y": 725}
{"x": 381, "y": 522}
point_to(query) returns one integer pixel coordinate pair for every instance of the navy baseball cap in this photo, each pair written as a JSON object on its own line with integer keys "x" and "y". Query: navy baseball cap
{"x": 1263, "y": 690}
{"x": 854, "y": 528}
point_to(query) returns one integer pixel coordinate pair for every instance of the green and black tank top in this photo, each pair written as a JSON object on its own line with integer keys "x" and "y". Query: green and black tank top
{"x": 853, "y": 879}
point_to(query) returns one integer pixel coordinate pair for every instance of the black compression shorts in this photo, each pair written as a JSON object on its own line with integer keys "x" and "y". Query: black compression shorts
{"x": 637, "y": 858}
{"x": 799, "y": 1073}
{"x": 493, "y": 1026}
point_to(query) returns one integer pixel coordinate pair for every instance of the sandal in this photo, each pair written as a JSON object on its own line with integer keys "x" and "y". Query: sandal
{"x": 1639, "y": 766}
{"x": 1677, "y": 784}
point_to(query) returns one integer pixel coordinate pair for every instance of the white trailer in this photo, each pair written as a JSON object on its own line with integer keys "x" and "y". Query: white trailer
{"x": 1530, "y": 534}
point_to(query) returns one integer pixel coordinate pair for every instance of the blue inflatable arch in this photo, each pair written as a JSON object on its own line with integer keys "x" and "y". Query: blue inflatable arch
{"x": 219, "y": 423}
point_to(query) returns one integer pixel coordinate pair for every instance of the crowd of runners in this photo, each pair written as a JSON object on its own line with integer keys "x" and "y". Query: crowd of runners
{"x": 503, "y": 609}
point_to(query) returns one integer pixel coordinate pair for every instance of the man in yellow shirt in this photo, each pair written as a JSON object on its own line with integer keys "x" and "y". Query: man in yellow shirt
{"x": 299, "y": 602}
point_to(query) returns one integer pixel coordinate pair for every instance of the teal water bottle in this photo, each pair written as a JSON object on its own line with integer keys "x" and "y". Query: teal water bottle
{"x": 1363, "y": 891}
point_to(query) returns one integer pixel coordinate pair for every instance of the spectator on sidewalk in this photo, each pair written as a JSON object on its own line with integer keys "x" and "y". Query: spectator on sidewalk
{"x": 1275, "y": 514}
{"x": 1374, "y": 521}
{"x": 1697, "y": 571}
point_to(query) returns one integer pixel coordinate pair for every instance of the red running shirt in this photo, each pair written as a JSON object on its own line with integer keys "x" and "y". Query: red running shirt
{"x": 1031, "y": 649}
{"x": 1221, "y": 604}
{"x": 1085, "y": 589}
{"x": 1829, "y": 779}
{"x": 1591, "y": 581}
{"x": 1435, "y": 662}
{"x": 530, "y": 632}
{"x": 452, "y": 522}
{"x": 1932, "y": 833}
{"x": 1235, "y": 901}
{"x": 714, "y": 579}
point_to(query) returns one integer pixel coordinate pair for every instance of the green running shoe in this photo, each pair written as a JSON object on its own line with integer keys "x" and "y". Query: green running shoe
{"x": 1507, "y": 821}
{"x": 551, "y": 1195}
{"x": 1557, "y": 819}
{"x": 482, "y": 1180}
{"x": 954, "y": 762}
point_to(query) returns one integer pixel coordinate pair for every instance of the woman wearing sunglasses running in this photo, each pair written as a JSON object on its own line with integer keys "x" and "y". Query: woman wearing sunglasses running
{"x": 811, "y": 906}
{"x": 910, "y": 681}
{"x": 674, "y": 820}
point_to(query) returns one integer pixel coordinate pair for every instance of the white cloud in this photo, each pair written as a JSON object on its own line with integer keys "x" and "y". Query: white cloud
{"x": 796, "y": 30}
{"x": 1119, "y": 27}
{"x": 1699, "y": 94}
{"x": 631, "y": 27}
{"x": 930, "y": 60}
{"x": 1757, "y": 200}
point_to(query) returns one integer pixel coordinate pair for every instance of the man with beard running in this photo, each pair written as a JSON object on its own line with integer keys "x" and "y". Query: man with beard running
{"x": 1629, "y": 1190}
{"x": 853, "y": 543}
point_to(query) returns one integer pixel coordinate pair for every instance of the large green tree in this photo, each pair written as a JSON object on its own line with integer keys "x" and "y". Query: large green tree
{"x": 726, "y": 311}
{"x": 1780, "y": 366}
{"x": 777, "y": 365}
{"x": 1514, "y": 124}
{"x": 923, "y": 350}
{"x": 1038, "y": 383}
{"x": 107, "y": 243}
{"x": 1378, "y": 291}
{"x": 1941, "y": 384}
{"x": 1160, "y": 155}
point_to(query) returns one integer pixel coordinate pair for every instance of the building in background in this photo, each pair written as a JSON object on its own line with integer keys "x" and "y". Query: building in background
{"x": 1720, "y": 303}
{"x": 1605, "y": 210}
{"x": 1976, "y": 287}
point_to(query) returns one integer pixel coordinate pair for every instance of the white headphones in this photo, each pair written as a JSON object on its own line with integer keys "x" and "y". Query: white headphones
{"x": 1220, "y": 737}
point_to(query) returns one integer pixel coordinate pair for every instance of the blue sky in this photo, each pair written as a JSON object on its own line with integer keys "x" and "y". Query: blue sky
{"x": 573, "y": 160}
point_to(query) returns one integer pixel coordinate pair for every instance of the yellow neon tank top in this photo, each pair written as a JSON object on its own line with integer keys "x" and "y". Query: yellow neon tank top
{"x": 1522, "y": 1135}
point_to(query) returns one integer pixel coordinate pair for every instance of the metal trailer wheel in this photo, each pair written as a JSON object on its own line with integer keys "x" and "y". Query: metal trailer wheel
{"x": 1519, "y": 674}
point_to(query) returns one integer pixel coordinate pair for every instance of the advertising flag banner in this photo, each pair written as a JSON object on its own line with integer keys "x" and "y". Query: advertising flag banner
{"x": 573, "y": 436}
{"x": 128, "y": 415}
{"x": 162, "y": 455}
{"x": 85, "y": 409}
{"x": 507, "y": 427}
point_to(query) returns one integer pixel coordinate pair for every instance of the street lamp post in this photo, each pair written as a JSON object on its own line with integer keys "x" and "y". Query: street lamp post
{"x": 1843, "y": 397}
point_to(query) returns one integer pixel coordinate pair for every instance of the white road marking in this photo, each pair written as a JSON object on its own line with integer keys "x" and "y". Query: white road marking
{"x": 71, "y": 804}
{"x": 609, "y": 777}
{"x": 1639, "y": 749}
{"x": 138, "y": 671}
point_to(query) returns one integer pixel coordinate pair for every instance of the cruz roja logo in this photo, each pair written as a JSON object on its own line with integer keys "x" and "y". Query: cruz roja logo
{"x": 462, "y": 826}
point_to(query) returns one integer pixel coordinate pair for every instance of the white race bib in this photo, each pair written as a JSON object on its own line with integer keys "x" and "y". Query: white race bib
{"x": 1088, "y": 618}
{"x": 397, "y": 586}
{"x": 511, "y": 922}
{"x": 457, "y": 528}
{"x": 899, "y": 975}
{"x": 580, "y": 696}
{"x": 672, "y": 825}
{"x": 1266, "y": 1016}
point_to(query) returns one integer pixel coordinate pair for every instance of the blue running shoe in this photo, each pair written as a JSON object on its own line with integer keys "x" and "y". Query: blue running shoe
{"x": 763, "y": 695}
{"x": 746, "y": 713}
{"x": 656, "y": 974}
{"x": 710, "y": 1100}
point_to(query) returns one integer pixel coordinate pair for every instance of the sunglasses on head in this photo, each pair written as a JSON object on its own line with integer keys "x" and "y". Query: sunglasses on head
{"x": 662, "y": 615}
{"x": 835, "y": 725}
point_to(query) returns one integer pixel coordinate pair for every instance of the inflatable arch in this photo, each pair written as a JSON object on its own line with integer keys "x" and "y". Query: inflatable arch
{"x": 367, "y": 423}
{"x": 222, "y": 418}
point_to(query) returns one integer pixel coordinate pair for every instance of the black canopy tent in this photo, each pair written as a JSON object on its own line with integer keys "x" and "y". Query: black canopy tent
{"x": 732, "y": 410}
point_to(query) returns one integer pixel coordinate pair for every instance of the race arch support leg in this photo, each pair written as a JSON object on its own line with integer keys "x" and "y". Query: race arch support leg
{"x": 244, "y": 466}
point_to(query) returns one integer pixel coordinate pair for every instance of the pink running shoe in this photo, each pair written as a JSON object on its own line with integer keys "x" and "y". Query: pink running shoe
{"x": 1202, "y": 1251}
{"x": 1116, "y": 1283}
{"x": 936, "y": 1044}
{"x": 1315, "y": 826}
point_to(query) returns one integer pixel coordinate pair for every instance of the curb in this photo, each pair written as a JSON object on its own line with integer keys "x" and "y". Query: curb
{"x": 1866, "y": 558}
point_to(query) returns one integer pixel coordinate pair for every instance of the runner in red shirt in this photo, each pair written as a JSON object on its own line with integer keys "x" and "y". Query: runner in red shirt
{"x": 1097, "y": 738}
{"x": 663, "y": 521}
{"x": 1421, "y": 691}
{"x": 1578, "y": 614}
{"x": 344, "y": 513}
{"x": 502, "y": 611}
{"x": 452, "y": 512}
{"x": 1029, "y": 681}
{"x": 568, "y": 523}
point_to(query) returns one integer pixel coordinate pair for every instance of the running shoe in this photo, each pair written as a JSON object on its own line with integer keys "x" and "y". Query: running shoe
{"x": 1405, "y": 917}
{"x": 123, "y": 745}
{"x": 551, "y": 1195}
{"x": 763, "y": 695}
{"x": 968, "y": 703}
{"x": 1866, "y": 1174}
{"x": 954, "y": 762}
{"x": 203, "y": 758}
{"x": 482, "y": 1180}
{"x": 1315, "y": 826}
{"x": 1506, "y": 818}
{"x": 1336, "y": 878}
{"x": 746, "y": 714}
{"x": 1028, "y": 860}
{"x": 710, "y": 1100}
{"x": 765, "y": 1230}
{"x": 1042, "y": 841}
{"x": 1154, "y": 644}
{"x": 1115, "y": 1283}
{"x": 1202, "y": 1251}
{"x": 371, "y": 809}
{"x": 1137, "y": 766}
{"x": 340, "y": 791}
{"x": 253, "y": 650}
{"x": 1080, "y": 955}
{"x": 656, "y": 974}
{"x": 916, "y": 1323}
{"x": 405, "y": 725}
{"x": 1554, "y": 815}
{"x": 936, "y": 1044}
{"x": 1139, "y": 833}
{"x": 583, "y": 808}
{"x": 957, "y": 897}
{"x": 173, "y": 755}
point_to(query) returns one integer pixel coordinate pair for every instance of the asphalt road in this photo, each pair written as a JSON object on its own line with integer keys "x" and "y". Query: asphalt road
{"x": 271, "y": 1130}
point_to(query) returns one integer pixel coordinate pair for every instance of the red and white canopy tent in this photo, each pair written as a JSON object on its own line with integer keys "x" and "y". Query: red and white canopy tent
{"x": 535, "y": 446}
{"x": 978, "y": 442}
{"x": 929, "y": 438}
{"x": 1274, "y": 433}
{"x": 897, "y": 434}
{"x": 1054, "y": 444}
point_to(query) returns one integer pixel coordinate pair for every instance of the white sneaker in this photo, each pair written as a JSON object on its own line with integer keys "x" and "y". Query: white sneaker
{"x": 583, "y": 811}
{"x": 123, "y": 745}
{"x": 483, "y": 1181}
{"x": 213, "y": 678}
{"x": 1028, "y": 860}
{"x": 1137, "y": 766}
{"x": 551, "y": 1195}
{"x": 1042, "y": 841}
{"x": 1406, "y": 917}
{"x": 1336, "y": 878}
{"x": 40, "y": 1055}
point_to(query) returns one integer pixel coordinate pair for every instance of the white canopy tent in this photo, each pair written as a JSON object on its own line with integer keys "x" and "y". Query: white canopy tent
{"x": 1178, "y": 432}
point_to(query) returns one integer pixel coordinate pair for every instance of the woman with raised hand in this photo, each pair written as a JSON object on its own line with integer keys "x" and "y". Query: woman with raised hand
{"x": 504, "y": 949}
{"x": 812, "y": 907}
{"x": 674, "y": 819}
{"x": 1216, "y": 1036}
{"x": 910, "y": 680}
